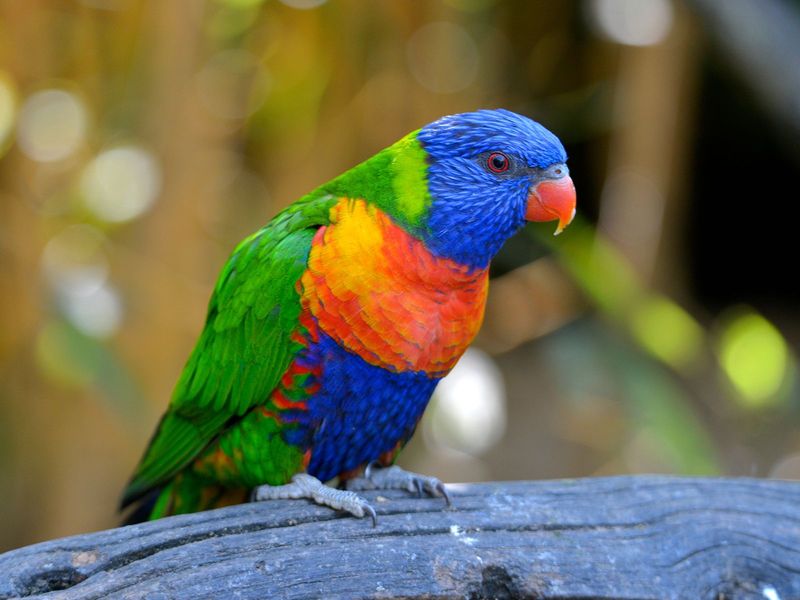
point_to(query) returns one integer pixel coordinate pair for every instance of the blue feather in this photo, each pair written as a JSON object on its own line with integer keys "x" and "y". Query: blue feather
{"x": 474, "y": 211}
{"x": 359, "y": 412}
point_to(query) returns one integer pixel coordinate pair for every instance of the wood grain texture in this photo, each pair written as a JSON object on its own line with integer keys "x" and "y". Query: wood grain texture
{"x": 621, "y": 537}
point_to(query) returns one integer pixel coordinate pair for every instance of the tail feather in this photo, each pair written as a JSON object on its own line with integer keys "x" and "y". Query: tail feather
{"x": 142, "y": 511}
{"x": 185, "y": 493}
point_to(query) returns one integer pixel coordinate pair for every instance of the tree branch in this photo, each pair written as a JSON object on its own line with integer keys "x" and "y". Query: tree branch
{"x": 621, "y": 537}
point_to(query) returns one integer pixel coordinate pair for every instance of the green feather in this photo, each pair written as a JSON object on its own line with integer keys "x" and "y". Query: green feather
{"x": 394, "y": 180}
{"x": 410, "y": 184}
{"x": 246, "y": 344}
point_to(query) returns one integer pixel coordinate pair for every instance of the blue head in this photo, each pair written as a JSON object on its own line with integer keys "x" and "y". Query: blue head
{"x": 488, "y": 172}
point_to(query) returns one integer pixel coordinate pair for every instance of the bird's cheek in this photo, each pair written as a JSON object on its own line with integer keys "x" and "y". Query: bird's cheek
{"x": 551, "y": 200}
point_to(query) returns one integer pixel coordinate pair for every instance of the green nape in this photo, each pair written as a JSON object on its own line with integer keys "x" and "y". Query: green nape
{"x": 395, "y": 180}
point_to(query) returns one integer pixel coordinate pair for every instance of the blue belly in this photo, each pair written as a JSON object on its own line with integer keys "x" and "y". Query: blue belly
{"x": 359, "y": 412}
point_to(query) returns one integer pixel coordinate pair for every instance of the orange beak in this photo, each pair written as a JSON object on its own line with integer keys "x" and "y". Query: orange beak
{"x": 551, "y": 200}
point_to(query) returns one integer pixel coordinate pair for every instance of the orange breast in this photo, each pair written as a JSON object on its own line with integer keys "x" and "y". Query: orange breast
{"x": 381, "y": 294}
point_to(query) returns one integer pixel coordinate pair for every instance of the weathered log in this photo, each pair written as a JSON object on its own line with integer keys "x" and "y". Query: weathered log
{"x": 619, "y": 537}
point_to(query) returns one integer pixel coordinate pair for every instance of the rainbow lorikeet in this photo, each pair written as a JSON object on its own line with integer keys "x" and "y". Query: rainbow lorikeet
{"x": 330, "y": 327}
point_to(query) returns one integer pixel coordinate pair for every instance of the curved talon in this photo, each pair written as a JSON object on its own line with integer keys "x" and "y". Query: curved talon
{"x": 443, "y": 492}
{"x": 371, "y": 512}
{"x": 377, "y": 477}
{"x": 368, "y": 469}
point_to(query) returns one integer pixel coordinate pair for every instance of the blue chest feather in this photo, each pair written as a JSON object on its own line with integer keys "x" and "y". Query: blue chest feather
{"x": 358, "y": 412}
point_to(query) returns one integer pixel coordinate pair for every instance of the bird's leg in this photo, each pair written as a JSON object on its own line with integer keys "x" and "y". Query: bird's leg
{"x": 306, "y": 486}
{"x": 377, "y": 477}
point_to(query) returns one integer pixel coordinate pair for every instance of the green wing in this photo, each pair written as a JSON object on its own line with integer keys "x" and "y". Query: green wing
{"x": 244, "y": 348}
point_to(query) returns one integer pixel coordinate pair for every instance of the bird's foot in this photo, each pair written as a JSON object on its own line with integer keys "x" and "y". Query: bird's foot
{"x": 394, "y": 478}
{"x": 306, "y": 486}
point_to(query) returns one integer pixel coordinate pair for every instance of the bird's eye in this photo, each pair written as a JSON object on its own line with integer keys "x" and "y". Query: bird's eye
{"x": 498, "y": 162}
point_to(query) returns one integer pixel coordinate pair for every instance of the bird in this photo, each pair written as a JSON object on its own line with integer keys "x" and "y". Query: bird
{"x": 330, "y": 327}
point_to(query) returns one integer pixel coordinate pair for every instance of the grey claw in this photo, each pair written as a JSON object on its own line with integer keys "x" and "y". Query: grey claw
{"x": 368, "y": 470}
{"x": 442, "y": 490}
{"x": 395, "y": 478}
{"x": 306, "y": 486}
{"x": 371, "y": 512}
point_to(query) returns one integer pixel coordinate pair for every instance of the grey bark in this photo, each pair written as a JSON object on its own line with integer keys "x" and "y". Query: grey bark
{"x": 620, "y": 537}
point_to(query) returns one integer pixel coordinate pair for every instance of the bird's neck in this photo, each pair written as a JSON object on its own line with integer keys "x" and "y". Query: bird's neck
{"x": 381, "y": 293}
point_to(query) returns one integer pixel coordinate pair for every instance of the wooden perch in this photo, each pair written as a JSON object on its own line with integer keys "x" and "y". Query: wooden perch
{"x": 620, "y": 537}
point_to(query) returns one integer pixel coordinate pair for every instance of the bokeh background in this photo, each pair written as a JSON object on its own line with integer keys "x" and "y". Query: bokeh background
{"x": 140, "y": 140}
